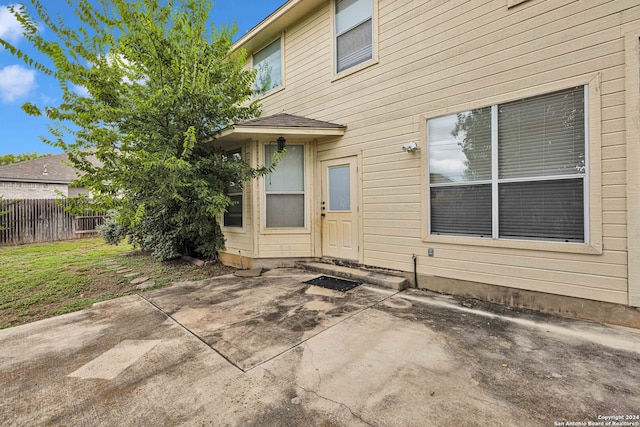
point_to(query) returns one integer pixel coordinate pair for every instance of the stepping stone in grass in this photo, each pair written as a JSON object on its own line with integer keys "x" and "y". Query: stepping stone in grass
{"x": 124, "y": 270}
{"x": 146, "y": 285}
{"x": 135, "y": 273}
{"x": 139, "y": 280}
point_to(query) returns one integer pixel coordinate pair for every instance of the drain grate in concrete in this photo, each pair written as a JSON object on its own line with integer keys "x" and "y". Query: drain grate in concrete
{"x": 333, "y": 283}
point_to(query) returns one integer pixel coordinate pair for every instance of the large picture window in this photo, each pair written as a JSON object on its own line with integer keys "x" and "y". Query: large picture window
{"x": 284, "y": 189}
{"x": 268, "y": 63}
{"x": 354, "y": 32}
{"x": 515, "y": 171}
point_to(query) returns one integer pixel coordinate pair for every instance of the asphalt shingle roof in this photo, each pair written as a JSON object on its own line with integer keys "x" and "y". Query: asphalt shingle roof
{"x": 43, "y": 169}
{"x": 289, "y": 120}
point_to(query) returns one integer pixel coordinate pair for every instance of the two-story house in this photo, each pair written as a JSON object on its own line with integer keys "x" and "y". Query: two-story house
{"x": 497, "y": 141}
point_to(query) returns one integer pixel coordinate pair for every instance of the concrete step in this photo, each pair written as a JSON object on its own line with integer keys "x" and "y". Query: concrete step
{"x": 357, "y": 275}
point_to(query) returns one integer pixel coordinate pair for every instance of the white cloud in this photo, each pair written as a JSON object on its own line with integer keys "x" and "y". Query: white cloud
{"x": 445, "y": 153}
{"x": 46, "y": 99}
{"x": 16, "y": 81}
{"x": 451, "y": 168}
{"x": 10, "y": 29}
{"x": 80, "y": 90}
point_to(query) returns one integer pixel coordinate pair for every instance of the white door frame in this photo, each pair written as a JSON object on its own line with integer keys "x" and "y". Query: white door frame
{"x": 354, "y": 215}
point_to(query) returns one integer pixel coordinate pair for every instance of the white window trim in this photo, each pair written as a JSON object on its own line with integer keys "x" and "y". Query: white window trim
{"x": 307, "y": 196}
{"x": 282, "y": 65}
{"x": 592, "y": 181}
{"x": 334, "y": 37}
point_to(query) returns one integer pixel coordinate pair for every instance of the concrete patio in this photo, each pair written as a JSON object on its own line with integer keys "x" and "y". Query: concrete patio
{"x": 273, "y": 351}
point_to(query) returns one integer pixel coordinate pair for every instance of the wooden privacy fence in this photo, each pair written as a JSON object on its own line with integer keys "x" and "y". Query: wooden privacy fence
{"x": 44, "y": 220}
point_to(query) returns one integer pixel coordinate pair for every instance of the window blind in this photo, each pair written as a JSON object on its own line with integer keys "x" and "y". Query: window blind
{"x": 284, "y": 188}
{"x": 354, "y": 32}
{"x": 461, "y": 209}
{"x": 289, "y": 172}
{"x": 542, "y": 136}
{"x": 551, "y": 210}
{"x": 355, "y": 46}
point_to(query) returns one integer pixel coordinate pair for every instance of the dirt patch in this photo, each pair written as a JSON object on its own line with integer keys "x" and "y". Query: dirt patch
{"x": 106, "y": 280}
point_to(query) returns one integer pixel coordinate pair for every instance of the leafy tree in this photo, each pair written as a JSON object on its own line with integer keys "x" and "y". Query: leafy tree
{"x": 146, "y": 87}
{"x": 263, "y": 82}
{"x": 8, "y": 159}
{"x": 475, "y": 129}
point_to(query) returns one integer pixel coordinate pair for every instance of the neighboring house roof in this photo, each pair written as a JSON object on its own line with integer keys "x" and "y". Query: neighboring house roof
{"x": 50, "y": 169}
{"x": 282, "y": 124}
{"x": 438, "y": 177}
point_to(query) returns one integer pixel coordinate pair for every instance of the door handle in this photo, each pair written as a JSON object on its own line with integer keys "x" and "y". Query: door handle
{"x": 323, "y": 214}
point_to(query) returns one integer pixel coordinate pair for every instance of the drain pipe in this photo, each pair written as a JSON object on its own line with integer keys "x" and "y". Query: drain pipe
{"x": 414, "y": 257}
{"x": 241, "y": 266}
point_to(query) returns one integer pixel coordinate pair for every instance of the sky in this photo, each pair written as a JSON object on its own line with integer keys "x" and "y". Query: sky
{"x": 19, "y": 132}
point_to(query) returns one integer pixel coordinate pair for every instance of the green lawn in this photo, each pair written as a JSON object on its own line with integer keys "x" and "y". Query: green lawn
{"x": 47, "y": 279}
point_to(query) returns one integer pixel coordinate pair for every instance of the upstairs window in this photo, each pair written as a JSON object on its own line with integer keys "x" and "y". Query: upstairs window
{"x": 353, "y": 32}
{"x": 511, "y": 171}
{"x": 268, "y": 62}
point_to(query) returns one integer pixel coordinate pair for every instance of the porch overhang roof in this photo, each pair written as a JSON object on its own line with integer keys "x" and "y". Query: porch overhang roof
{"x": 281, "y": 125}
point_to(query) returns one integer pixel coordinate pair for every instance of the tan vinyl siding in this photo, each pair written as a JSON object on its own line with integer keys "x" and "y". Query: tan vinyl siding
{"x": 285, "y": 245}
{"x": 447, "y": 56}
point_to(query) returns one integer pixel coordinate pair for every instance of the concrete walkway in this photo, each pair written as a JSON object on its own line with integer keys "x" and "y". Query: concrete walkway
{"x": 273, "y": 351}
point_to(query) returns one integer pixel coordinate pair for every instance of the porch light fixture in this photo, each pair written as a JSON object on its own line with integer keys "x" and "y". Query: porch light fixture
{"x": 281, "y": 142}
{"x": 410, "y": 147}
